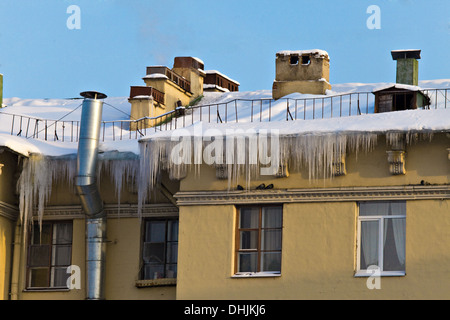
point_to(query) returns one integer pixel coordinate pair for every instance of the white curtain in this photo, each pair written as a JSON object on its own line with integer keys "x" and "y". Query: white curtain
{"x": 399, "y": 226}
{"x": 369, "y": 243}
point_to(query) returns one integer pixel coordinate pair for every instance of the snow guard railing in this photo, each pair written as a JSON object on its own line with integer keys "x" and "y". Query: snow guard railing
{"x": 237, "y": 111}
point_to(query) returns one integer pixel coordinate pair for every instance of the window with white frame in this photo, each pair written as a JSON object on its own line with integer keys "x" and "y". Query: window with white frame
{"x": 381, "y": 238}
{"x": 259, "y": 234}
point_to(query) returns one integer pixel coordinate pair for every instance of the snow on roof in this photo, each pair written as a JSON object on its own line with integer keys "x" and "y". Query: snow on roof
{"x": 402, "y": 121}
{"x": 155, "y": 76}
{"x": 142, "y": 97}
{"x": 316, "y": 52}
{"x": 221, "y": 74}
{"x": 214, "y": 86}
{"x": 398, "y": 86}
{"x": 199, "y": 60}
{"x": 119, "y": 108}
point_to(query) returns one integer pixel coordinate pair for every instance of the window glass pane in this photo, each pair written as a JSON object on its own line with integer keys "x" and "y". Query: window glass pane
{"x": 272, "y": 217}
{"x": 39, "y": 278}
{"x": 44, "y": 237}
{"x": 247, "y": 262}
{"x": 153, "y": 271}
{"x": 59, "y": 277}
{"x": 381, "y": 208}
{"x": 369, "y": 244}
{"x": 153, "y": 252}
{"x": 171, "y": 271}
{"x": 249, "y": 218}
{"x": 62, "y": 233}
{"x": 62, "y": 255}
{"x": 271, "y": 261}
{"x": 39, "y": 256}
{"x": 172, "y": 230}
{"x": 271, "y": 239}
{"x": 155, "y": 231}
{"x": 398, "y": 208}
{"x": 248, "y": 240}
{"x": 394, "y": 245}
{"x": 172, "y": 252}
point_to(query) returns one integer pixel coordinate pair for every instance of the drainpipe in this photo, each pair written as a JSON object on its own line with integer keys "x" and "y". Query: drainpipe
{"x": 15, "y": 265}
{"x": 89, "y": 194}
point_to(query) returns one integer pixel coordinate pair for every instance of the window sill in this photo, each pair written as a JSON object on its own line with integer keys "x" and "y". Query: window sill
{"x": 256, "y": 275}
{"x": 367, "y": 274}
{"x": 46, "y": 290}
{"x": 156, "y": 282}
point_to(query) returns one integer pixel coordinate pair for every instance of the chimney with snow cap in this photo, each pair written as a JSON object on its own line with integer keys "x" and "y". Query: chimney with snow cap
{"x": 407, "y": 66}
{"x": 302, "y": 71}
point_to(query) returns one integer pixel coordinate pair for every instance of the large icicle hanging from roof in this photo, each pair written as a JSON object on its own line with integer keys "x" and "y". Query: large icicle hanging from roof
{"x": 123, "y": 170}
{"x": 40, "y": 174}
{"x": 242, "y": 155}
{"x": 36, "y": 180}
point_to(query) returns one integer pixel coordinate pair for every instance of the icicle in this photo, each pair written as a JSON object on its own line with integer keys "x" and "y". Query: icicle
{"x": 123, "y": 170}
{"x": 36, "y": 181}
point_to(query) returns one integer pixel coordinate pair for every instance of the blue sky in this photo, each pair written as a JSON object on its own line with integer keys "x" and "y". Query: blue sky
{"x": 41, "y": 58}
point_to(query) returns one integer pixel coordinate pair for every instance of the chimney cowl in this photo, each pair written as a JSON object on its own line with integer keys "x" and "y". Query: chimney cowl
{"x": 405, "y": 54}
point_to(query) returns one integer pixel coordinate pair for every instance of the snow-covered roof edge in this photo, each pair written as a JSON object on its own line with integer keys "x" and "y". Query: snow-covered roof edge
{"x": 318, "y": 53}
{"x": 221, "y": 74}
{"x": 398, "y": 86}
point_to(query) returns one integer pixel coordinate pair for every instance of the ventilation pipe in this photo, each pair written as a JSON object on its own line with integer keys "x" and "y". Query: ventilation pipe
{"x": 89, "y": 194}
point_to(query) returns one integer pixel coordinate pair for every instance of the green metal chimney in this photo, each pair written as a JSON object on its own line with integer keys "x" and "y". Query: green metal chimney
{"x": 407, "y": 66}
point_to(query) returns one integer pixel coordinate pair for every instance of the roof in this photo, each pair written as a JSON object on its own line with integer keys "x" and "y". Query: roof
{"x": 399, "y": 86}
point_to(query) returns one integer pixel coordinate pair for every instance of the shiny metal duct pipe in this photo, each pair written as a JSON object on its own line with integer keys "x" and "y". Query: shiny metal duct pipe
{"x": 89, "y": 194}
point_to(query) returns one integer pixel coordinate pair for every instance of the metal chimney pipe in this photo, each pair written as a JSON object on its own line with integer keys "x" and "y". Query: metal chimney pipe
{"x": 89, "y": 194}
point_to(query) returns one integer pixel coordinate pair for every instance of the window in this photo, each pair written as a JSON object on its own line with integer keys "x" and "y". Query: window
{"x": 293, "y": 59}
{"x": 259, "y": 240}
{"x": 49, "y": 255}
{"x": 381, "y": 238}
{"x": 306, "y": 59}
{"x": 160, "y": 249}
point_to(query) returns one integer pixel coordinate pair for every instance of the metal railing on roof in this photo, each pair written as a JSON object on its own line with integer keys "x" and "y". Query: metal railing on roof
{"x": 236, "y": 111}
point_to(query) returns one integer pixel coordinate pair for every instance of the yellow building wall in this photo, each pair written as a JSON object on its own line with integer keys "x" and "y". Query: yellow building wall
{"x": 318, "y": 255}
{"x": 319, "y": 238}
{"x": 123, "y": 256}
{"x": 122, "y": 266}
{"x": 172, "y": 93}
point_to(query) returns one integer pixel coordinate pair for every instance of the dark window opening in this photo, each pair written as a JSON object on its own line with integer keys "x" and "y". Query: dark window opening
{"x": 403, "y": 101}
{"x": 306, "y": 60}
{"x": 395, "y": 102}
{"x": 294, "y": 59}
{"x": 160, "y": 249}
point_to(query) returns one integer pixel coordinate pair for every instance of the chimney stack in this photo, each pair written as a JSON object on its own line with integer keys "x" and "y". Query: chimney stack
{"x": 407, "y": 66}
